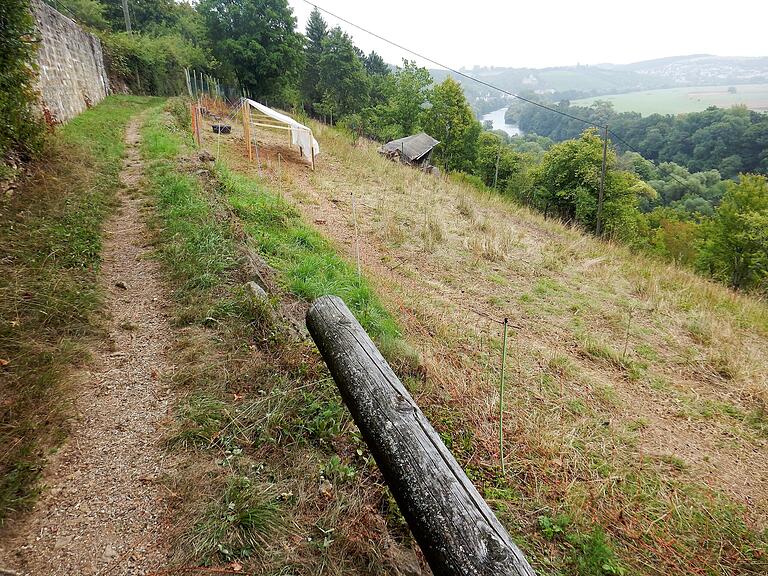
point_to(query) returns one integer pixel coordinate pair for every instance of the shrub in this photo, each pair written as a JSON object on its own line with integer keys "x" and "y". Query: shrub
{"x": 20, "y": 127}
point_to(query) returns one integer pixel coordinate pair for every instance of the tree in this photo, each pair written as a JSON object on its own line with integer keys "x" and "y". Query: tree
{"x": 375, "y": 65}
{"x": 568, "y": 180}
{"x": 20, "y": 129}
{"x": 87, "y": 12}
{"x": 378, "y": 73}
{"x": 404, "y": 94}
{"x": 497, "y": 163}
{"x": 450, "y": 120}
{"x": 316, "y": 32}
{"x": 146, "y": 15}
{"x": 343, "y": 81}
{"x": 256, "y": 42}
{"x": 735, "y": 247}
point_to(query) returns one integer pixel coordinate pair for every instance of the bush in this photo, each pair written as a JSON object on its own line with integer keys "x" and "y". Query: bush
{"x": 21, "y": 129}
{"x": 151, "y": 65}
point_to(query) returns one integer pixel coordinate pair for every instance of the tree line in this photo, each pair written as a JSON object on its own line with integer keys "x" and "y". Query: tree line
{"x": 733, "y": 140}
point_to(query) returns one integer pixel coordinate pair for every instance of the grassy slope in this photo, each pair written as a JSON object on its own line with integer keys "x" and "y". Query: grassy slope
{"x": 637, "y": 399}
{"x": 273, "y": 475}
{"x": 682, "y": 100}
{"x": 50, "y": 244}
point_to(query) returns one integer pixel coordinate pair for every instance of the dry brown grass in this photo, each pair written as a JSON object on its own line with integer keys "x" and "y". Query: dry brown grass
{"x": 675, "y": 427}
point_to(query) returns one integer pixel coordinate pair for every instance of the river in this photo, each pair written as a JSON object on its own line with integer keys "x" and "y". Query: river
{"x": 497, "y": 118}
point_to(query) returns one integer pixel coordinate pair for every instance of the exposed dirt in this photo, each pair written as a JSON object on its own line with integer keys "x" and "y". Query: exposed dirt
{"x": 103, "y": 508}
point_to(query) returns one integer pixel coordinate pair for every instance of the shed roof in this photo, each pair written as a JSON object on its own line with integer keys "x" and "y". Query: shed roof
{"x": 412, "y": 147}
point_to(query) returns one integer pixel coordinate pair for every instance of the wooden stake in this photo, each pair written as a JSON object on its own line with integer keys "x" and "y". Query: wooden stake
{"x": 198, "y": 122}
{"x": 193, "y": 119}
{"x": 601, "y": 193}
{"x": 501, "y": 396}
{"x": 247, "y": 128}
{"x": 456, "y": 529}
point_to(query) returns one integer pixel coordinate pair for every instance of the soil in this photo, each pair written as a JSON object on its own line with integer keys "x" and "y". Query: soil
{"x": 103, "y": 509}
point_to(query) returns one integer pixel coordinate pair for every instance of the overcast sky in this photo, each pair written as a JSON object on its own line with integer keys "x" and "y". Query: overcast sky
{"x": 540, "y": 33}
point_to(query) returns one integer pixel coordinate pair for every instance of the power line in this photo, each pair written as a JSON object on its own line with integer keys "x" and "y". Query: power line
{"x": 453, "y": 70}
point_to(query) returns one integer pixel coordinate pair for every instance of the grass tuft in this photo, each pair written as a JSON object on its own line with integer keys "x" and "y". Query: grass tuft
{"x": 239, "y": 524}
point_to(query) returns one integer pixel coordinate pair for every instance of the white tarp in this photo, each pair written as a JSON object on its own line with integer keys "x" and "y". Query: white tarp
{"x": 301, "y": 136}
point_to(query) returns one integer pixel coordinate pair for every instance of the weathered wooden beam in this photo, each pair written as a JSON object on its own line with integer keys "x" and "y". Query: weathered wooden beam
{"x": 456, "y": 529}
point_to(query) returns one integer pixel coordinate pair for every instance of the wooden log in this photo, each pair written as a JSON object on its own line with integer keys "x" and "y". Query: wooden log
{"x": 456, "y": 529}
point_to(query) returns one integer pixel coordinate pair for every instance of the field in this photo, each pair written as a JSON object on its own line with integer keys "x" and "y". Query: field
{"x": 688, "y": 99}
{"x": 636, "y": 399}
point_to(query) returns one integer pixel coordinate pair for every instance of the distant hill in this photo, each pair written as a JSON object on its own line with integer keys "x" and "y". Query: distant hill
{"x": 574, "y": 82}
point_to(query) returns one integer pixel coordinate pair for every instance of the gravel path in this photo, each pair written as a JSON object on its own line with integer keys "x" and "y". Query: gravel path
{"x": 103, "y": 510}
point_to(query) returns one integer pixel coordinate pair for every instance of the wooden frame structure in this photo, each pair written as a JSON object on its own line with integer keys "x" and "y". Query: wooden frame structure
{"x": 264, "y": 121}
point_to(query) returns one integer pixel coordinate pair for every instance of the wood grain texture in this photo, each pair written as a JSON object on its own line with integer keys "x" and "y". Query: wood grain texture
{"x": 456, "y": 529}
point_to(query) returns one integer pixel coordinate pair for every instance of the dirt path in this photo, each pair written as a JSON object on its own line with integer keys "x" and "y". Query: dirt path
{"x": 103, "y": 509}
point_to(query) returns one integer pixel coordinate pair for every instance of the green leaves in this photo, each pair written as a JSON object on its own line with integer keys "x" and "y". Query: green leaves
{"x": 343, "y": 81}
{"x": 568, "y": 181}
{"x": 451, "y": 120}
{"x": 256, "y": 42}
{"x": 735, "y": 249}
{"x": 20, "y": 128}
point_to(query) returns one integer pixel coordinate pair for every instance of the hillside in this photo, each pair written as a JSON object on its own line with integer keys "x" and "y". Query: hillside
{"x": 635, "y": 405}
{"x": 594, "y": 80}
{"x": 637, "y": 399}
{"x": 586, "y": 327}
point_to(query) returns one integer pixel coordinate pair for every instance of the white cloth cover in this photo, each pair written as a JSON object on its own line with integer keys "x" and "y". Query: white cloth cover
{"x": 300, "y": 135}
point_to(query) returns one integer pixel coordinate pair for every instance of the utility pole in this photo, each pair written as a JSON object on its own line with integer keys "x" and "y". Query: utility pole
{"x": 127, "y": 16}
{"x": 601, "y": 194}
{"x": 496, "y": 175}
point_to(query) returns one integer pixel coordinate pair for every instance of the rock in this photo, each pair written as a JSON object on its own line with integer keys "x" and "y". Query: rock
{"x": 206, "y": 156}
{"x": 326, "y": 488}
{"x": 109, "y": 554}
{"x": 257, "y": 291}
{"x": 122, "y": 285}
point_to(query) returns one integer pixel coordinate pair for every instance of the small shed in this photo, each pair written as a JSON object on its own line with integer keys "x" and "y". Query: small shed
{"x": 415, "y": 150}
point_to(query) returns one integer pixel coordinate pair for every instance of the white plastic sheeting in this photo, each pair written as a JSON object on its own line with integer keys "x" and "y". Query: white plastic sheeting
{"x": 301, "y": 135}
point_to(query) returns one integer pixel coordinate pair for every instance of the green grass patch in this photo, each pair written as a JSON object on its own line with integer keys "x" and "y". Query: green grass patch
{"x": 309, "y": 264}
{"x": 240, "y": 523}
{"x": 261, "y": 423}
{"x": 197, "y": 244}
{"x": 50, "y": 251}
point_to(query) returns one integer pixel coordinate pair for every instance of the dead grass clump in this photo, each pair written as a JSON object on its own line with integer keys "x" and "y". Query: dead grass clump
{"x": 491, "y": 245}
{"x": 483, "y": 225}
{"x": 393, "y": 231}
{"x": 466, "y": 207}
{"x": 432, "y": 232}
